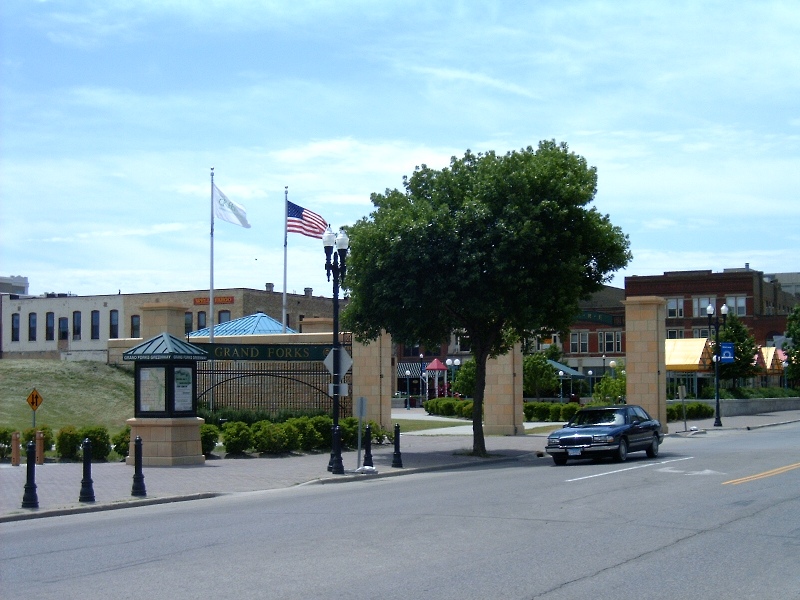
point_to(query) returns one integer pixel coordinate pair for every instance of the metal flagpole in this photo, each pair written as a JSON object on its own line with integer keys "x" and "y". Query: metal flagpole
{"x": 211, "y": 293}
{"x": 285, "y": 246}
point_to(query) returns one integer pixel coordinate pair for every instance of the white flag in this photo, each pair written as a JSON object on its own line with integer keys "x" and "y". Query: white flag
{"x": 228, "y": 210}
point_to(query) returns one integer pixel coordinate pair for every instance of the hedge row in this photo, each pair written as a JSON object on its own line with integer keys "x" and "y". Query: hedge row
{"x": 694, "y": 410}
{"x": 449, "y": 407}
{"x": 69, "y": 441}
{"x": 550, "y": 411}
{"x": 299, "y": 434}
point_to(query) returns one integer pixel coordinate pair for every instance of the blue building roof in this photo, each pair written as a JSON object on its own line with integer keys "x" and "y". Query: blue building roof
{"x": 165, "y": 347}
{"x": 257, "y": 324}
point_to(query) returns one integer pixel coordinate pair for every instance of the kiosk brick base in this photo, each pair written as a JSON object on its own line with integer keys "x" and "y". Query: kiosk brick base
{"x": 168, "y": 442}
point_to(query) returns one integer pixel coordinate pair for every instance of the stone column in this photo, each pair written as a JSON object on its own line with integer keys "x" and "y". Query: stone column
{"x": 502, "y": 401}
{"x": 645, "y": 361}
{"x": 373, "y": 373}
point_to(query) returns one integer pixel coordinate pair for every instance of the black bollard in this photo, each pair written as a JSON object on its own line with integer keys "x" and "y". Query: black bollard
{"x": 138, "y": 488}
{"x": 397, "y": 458}
{"x": 87, "y": 491}
{"x": 337, "y": 467}
{"x": 368, "y": 447}
{"x": 333, "y": 449}
{"x": 29, "y": 498}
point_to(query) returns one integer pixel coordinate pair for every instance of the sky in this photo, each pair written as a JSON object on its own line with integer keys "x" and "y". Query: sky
{"x": 113, "y": 112}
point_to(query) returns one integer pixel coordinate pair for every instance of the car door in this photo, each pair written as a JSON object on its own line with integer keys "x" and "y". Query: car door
{"x": 638, "y": 434}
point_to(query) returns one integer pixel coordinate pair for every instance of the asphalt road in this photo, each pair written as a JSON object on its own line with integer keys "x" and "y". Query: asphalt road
{"x": 715, "y": 516}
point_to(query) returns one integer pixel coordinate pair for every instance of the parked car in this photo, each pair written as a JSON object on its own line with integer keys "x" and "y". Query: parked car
{"x": 606, "y": 431}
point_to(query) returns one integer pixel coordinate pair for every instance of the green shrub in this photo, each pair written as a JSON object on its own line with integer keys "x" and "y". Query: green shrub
{"x": 555, "y": 412}
{"x": 68, "y": 443}
{"x": 209, "y": 435}
{"x": 122, "y": 442}
{"x": 568, "y": 410}
{"x": 310, "y": 438}
{"x": 29, "y": 435}
{"x": 466, "y": 408}
{"x": 323, "y": 425}
{"x": 5, "y": 441}
{"x": 349, "y": 426}
{"x": 270, "y": 438}
{"x": 527, "y": 410}
{"x": 293, "y": 436}
{"x": 238, "y": 438}
{"x": 541, "y": 411}
{"x": 101, "y": 441}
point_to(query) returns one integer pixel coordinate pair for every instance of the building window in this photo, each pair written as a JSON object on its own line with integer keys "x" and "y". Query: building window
{"x": 579, "y": 342}
{"x": 700, "y": 304}
{"x": 224, "y": 316}
{"x": 50, "y": 327}
{"x": 31, "y": 327}
{"x": 674, "y": 334}
{"x": 76, "y": 325}
{"x": 737, "y": 305}
{"x": 609, "y": 341}
{"x": 464, "y": 343}
{"x": 95, "y": 324}
{"x": 411, "y": 351}
{"x": 136, "y": 323}
{"x": 188, "y": 320}
{"x": 63, "y": 328}
{"x": 113, "y": 324}
{"x": 201, "y": 319}
{"x": 700, "y": 332}
{"x": 674, "y": 308}
{"x": 15, "y": 327}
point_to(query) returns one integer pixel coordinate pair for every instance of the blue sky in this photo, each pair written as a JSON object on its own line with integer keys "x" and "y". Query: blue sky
{"x": 112, "y": 113}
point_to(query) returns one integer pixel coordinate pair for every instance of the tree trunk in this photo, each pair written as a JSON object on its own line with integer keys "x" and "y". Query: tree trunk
{"x": 478, "y": 441}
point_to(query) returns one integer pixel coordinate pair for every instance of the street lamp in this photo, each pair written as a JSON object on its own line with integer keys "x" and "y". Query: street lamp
{"x": 335, "y": 264}
{"x": 561, "y": 388}
{"x": 590, "y": 382}
{"x": 408, "y": 390}
{"x": 710, "y": 312}
{"x": 421, "y": 373}
{"x": 613, "y": 365}
{"x": 449, "y": 363}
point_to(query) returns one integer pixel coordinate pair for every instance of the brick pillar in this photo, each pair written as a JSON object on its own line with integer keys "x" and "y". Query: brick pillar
{"x": 373, "y": 374}
{"x": 159, "y": 318}
{"x": 645, "y": 361}
{"x": 502, "y": 401}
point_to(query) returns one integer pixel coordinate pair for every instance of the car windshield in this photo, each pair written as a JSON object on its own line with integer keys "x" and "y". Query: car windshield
{"x": 586, "y": 418}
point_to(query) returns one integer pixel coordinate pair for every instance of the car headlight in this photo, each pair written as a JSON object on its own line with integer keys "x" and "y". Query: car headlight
{"x": 552, "y": 441}
{"x": 603, "y": 439}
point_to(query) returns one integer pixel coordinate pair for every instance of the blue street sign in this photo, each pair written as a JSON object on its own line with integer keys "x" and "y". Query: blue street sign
{"x": 726, "y": 352}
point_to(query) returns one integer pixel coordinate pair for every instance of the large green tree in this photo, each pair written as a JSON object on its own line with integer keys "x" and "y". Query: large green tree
{"x": 499, "y": 247}
{"x": 793, "y": 352}
{"x": 744, "y": 350}
{"x": 537, "y": 375}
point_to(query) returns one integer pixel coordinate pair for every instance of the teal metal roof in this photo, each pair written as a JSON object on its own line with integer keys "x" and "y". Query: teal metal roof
{"x": 165, "y": 347}
{"x": 567, "y": 370}
{"x": 257, "y": 324}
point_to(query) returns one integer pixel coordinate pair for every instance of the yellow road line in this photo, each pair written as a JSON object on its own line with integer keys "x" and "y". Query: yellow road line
{"x": 777, "y": 471}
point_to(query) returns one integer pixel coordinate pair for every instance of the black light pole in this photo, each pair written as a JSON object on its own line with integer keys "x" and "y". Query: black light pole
{"x": 710, "y": 312}
{"x": 335, "y": 264}
{"x": 408, "y": 390}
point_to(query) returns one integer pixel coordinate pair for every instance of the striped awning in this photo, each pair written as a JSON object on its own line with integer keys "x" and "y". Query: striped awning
{"x": 413, "y": 367}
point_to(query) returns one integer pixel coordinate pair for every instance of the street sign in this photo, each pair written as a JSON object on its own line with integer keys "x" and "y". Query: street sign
{"x": 345, "y": 362}
{"x": 361, "y": 407}
{"x": 726, "y": 352}
{"x": 34, "y": 399}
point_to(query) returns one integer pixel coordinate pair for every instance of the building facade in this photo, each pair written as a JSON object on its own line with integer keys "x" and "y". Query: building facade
{"x": 74, "y": 327}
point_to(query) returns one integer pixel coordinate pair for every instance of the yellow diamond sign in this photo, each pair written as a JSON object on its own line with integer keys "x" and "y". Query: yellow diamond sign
{"x": 34, "y": 399}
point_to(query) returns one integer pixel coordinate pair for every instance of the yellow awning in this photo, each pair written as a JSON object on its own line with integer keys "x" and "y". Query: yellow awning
{"x": 771, "y": 361}
{"x": 692, "y": 354}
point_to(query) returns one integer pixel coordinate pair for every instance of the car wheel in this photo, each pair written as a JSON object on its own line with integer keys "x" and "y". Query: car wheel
{"x": 560, "y": 460}
{"x": 652, "y": 449}
{"x": 622, "y": 451}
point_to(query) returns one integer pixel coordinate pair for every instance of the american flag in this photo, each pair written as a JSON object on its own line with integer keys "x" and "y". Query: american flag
{"x": 305, "y": 222}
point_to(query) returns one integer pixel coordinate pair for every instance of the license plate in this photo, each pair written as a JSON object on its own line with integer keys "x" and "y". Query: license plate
{"x": 573, "y": 451}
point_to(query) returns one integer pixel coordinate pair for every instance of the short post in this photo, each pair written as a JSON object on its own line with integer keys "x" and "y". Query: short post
{"x": 338, "y": 467}
{"x": 39, "y": 448}
{"x": 138, "y": 488}
{"x": 29, "y": 498}
{"x": 15, "y": 458}
{"x": 397, "y": 458}
{"x": 368, "y": 447}
{"x": 87, "y": 491}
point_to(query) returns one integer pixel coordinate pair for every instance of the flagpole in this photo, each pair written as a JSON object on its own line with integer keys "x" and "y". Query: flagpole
{"x": 285, "y": 246}
{"x": 211, "y": 293}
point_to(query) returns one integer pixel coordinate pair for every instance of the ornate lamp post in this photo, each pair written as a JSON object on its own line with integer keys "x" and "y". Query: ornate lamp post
{"x": 590, "y": 381}
{"x": 785, "y": 374}
{"x": 715, "y": 324}
{"x": 335, "y": 264}
{"x": 613, "y": 365}
{"x": 449, "y": 363}
{"x": 408, "y": 390}
{"x": 561, "y": 386}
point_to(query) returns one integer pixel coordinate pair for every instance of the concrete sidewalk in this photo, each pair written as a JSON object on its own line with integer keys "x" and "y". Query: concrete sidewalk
{"x": 59, "y": 484}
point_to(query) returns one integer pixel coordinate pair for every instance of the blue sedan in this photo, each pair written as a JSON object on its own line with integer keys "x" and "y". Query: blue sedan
{"x": 606, "y": 431}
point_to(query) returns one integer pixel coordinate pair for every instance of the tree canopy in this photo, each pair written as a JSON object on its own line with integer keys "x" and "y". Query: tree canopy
{"x": 793, "y": 351}
{"x": 498, "y": 247}
{"x": 744, "y": 350}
